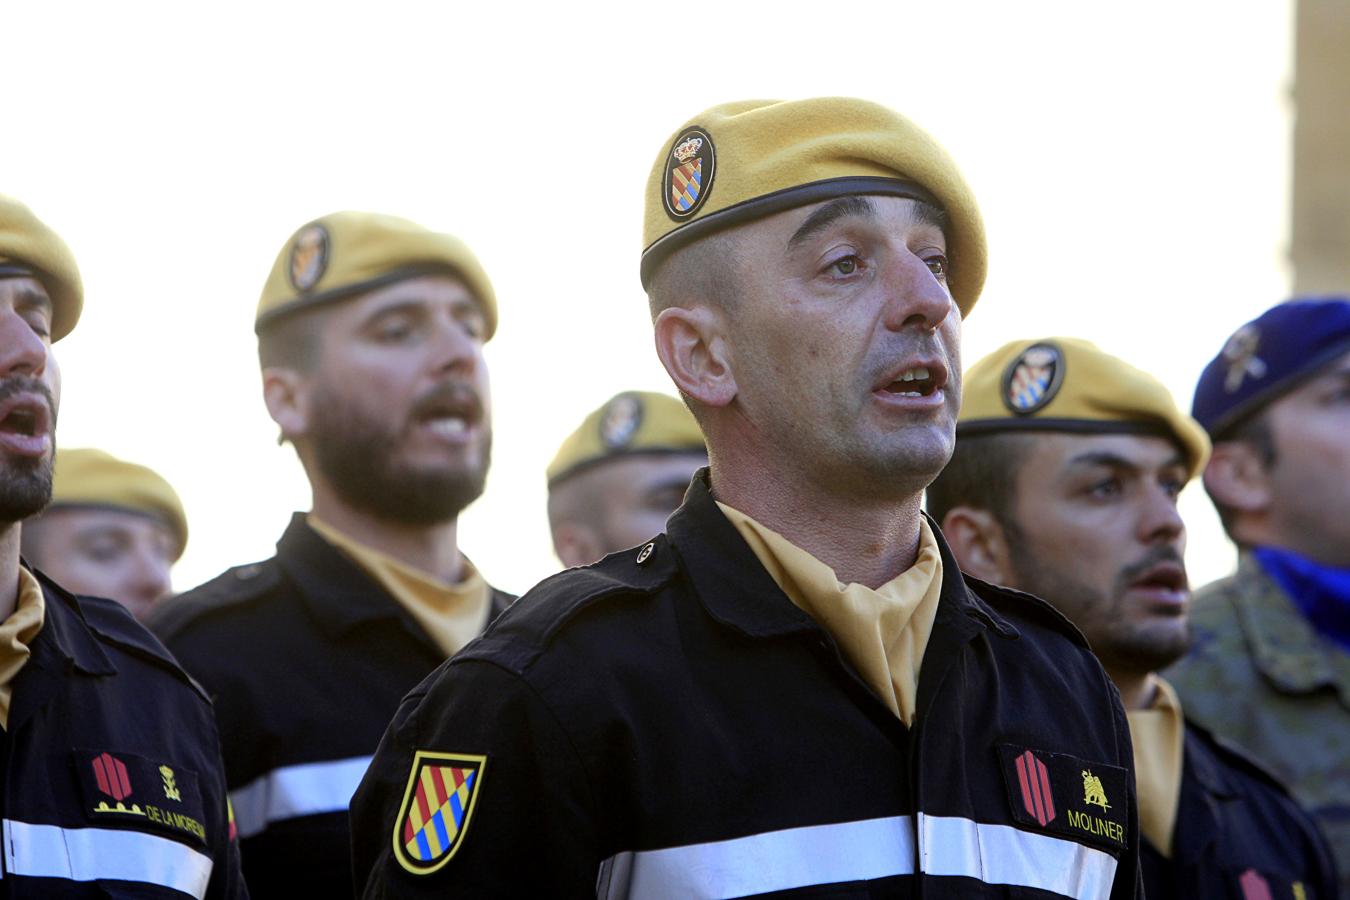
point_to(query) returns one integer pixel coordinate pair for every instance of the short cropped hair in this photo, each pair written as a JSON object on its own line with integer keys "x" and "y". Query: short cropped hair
{"x": 982, "y": 474}
{"x": 292, "y": 341}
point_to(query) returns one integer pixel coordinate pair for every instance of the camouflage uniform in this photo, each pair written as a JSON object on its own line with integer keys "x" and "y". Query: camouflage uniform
{"x": 1260, "y": 676}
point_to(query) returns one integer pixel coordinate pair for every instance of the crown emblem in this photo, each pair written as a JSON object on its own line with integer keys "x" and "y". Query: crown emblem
{"x": 689, "y": 149}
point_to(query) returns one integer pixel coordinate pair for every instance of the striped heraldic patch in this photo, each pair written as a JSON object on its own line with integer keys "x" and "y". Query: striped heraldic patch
{"x": 437, "y": 807}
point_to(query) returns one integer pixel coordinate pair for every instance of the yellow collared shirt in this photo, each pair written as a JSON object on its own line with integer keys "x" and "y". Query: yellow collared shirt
{"x": 882, "y": 632}
{"x": 16, "y": 633}
{"x": 1158, "y": 734}
{"x": 450, "y": 614}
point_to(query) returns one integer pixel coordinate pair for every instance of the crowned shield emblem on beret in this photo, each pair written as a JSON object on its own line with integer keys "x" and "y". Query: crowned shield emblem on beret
{"x": 437, "y": 807}
{"x": 689, "y": 174}
{"x": 309, "y": 257}
{"x": 620, "y": 421}
{"x": 1033, "y": 379}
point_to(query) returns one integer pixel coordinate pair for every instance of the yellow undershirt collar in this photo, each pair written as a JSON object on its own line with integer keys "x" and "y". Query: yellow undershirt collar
{"x": 1158, "y": 734}
{"x": 16, "y": 633}
{"x": 450, "y": 614}
{"x": 882, "y": 632}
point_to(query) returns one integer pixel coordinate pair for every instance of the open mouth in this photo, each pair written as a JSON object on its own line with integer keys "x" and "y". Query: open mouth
{"x": 915, "y": 380}
{"x": 26, "y": 423}
{"x": 449, "y": 413}
{"x": 1167, "y": 580}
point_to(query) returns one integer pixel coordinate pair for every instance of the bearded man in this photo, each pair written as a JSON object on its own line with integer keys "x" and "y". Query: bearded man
{"x": 370, "y": 336}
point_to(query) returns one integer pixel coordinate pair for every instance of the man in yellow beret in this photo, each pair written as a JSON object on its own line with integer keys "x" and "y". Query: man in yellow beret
{"x": 370, "y": 335}
{"x": 619, "y": 476}
{"x": 113, "y": 529}
{"x": 1064, "y": 484}
{"x": 792, "y": 691}
{"x": 114, "y": 785}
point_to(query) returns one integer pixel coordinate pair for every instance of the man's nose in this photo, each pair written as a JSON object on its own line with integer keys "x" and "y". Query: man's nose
{"x": 915, "y": 296}
{"x": 22, "y": 350}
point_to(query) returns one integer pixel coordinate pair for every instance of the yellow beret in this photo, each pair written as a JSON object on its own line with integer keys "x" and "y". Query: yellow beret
{"x": 742, "y": 161}
{"x": 93, "y": 478}
{"x": 347, "y": 253}
{"x": 29, "y": 247}
{"x": 630, "y": 423}
{"x": 1067, "y": 384}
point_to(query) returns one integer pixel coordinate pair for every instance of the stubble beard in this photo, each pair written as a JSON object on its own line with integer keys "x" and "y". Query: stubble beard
{"x": 1120, "y": 647}
{"x": 26, "y": 484}
{"x": 356, "y": 456}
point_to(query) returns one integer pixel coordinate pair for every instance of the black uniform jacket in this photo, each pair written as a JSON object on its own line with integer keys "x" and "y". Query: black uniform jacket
{"x": 666, "y": 723}
{"x": 1238, "y": 834}
{"x": 306, "y": 657}
{"x": 113, "y": 783}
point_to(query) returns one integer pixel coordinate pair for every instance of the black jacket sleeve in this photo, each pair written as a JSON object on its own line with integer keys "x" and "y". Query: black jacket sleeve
{"x": 530, "y": 829}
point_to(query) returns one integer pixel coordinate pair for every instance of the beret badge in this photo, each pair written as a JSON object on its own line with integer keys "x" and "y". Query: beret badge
{"x": 620, "y": 421}
{"x": 1033, "y": 379}
{"x": 1240, "y": 355}
{"x": 689, "y": 174}
{"x": 309, "y": 257}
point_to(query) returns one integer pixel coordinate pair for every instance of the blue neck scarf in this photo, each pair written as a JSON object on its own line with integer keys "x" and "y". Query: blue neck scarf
{"x": 1320, "y": 592}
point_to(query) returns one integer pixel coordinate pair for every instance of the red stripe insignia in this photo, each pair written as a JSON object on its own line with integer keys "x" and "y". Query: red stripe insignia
{"x": 1065, "y": 795}
{"x": 437, "y": 808}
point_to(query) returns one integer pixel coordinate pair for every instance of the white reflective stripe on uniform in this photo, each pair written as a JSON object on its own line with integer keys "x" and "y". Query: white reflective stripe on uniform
{"x": 309, "y": 789}
{"x": 99, "y": 854}
{"x": 759, "y": 863}
{"x": 1001, "y": 854}
{"x": 859, "y": 851}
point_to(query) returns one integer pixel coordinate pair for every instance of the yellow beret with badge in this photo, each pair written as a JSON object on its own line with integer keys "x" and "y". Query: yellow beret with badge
{"x": 29, "y": 248}
{"x": 94, "y": 479}
{"x": 1068, "y": 384}
{"x": 743, "y": 161}
{"x": 633, "y": 422}
{"x": 349, "y": 253}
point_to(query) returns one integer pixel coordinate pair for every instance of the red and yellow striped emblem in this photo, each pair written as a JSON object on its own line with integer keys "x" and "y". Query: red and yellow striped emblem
{"x": 437, "y": 806}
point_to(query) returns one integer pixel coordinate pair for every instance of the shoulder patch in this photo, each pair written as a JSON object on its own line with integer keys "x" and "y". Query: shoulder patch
{"x": 437, "y": 809}
{"x": 1065, "y": 795}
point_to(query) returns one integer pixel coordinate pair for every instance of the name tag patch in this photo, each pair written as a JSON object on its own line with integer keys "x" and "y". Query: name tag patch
{"x": 141, "y": 793}
{"x": 1065, "y": 795}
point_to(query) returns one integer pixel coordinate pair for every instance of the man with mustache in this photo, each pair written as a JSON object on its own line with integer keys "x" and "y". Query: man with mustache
{"x": 1064, "y": 484}
{"x": 370, "y": 336}
{"x": 792, "y": 691}
{"x": 112, "y": 778}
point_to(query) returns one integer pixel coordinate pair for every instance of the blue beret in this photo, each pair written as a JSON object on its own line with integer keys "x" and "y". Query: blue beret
{"x": 1269, "y": 356}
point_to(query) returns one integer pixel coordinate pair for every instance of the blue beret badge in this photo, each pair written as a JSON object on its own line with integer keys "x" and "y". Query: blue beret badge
{"x": 1033, "y": 379}
{"x": 1240, "y": 355}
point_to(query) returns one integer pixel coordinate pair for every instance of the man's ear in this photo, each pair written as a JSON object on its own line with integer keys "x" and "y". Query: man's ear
{"x": 979, "y": 544}
{"x": 693, "y": 347}
{"x": 1238, "y": 478}
{"x": 287, "y": 395}
{"x": 576, "y": 544}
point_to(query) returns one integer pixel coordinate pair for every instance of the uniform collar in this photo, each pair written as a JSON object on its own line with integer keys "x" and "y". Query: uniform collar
{"x": 738, "y": 592}
{"x": 339, "y": 593}
{"x": 66, "y": 636}
{"x": 1285, "y": 648}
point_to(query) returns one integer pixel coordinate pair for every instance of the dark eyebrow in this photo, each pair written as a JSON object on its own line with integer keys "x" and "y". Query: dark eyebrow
{"x": 830, "y": 213}
{"x": 1116, "y": 461}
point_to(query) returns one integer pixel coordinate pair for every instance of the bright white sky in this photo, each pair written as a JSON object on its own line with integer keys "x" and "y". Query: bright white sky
{"x": 1131, "y": 162}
